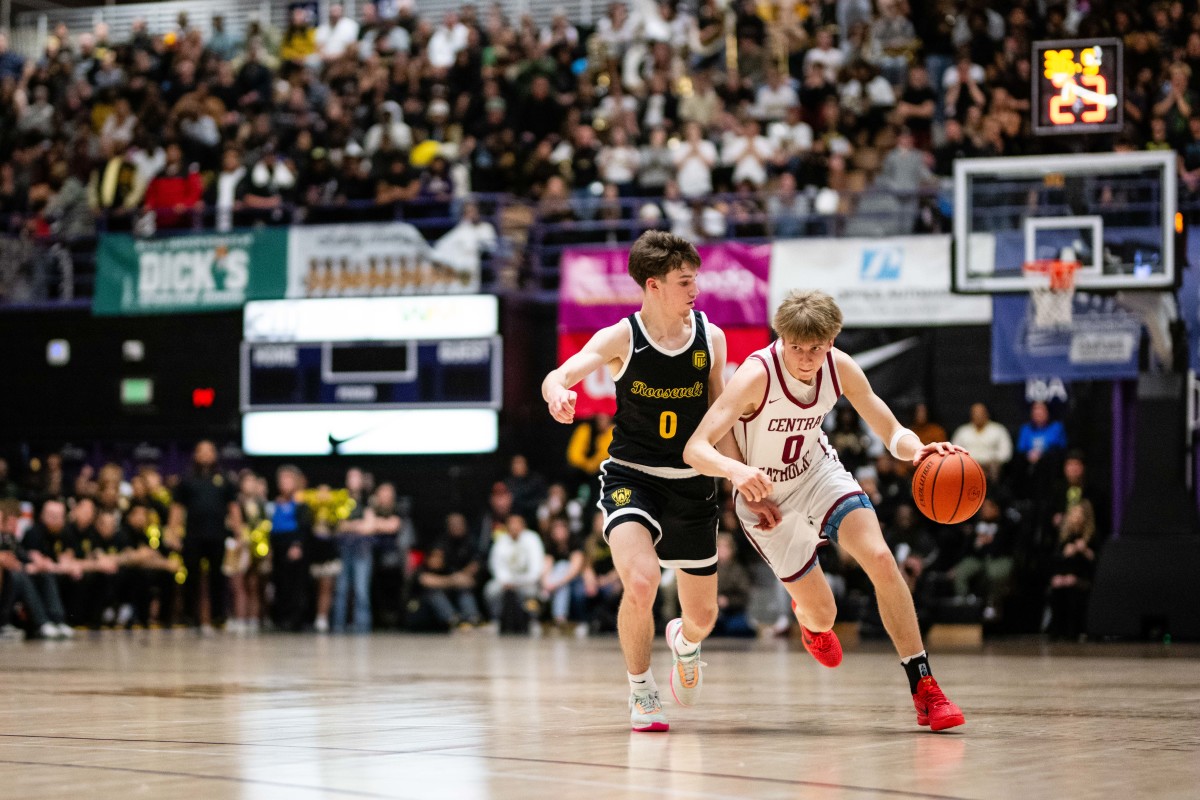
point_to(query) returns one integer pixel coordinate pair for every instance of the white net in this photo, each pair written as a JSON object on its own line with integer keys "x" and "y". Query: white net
{"x": 1053, "y": 292}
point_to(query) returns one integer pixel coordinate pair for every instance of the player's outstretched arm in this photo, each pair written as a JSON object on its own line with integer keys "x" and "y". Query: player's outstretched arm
{"x": 901, "y": 442}
{"x": 607, "y": 346}
{"x": 741, "y": 397}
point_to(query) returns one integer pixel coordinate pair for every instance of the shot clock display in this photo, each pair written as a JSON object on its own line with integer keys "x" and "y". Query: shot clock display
{"x": 1078, "y": 86}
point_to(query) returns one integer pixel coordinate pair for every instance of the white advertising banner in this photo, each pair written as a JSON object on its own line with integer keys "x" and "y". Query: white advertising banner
{"x": 898, "y": 281}
{"x": 371, "y": 319}
{"x": 372, "y": 258}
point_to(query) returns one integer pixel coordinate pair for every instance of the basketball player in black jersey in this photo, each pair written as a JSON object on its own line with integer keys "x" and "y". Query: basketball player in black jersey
{"x": 668, "y": 363}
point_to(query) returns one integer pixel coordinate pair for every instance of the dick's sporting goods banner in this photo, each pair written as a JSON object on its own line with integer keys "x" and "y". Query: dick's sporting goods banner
{"x": 209, "y": 271}
{"x": 1100, "y": 344}
{"x": 200, "y": 272}
{"x": 902, "y": 281}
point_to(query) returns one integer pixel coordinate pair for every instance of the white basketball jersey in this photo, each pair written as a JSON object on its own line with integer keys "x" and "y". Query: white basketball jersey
{"x": 783, "y": 437}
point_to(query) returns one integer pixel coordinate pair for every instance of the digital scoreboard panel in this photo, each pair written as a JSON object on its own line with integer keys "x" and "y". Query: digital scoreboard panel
{"x": 445, "y": 373}
{"x": 394, "y": 375}
{"x": 1078, "y": 86}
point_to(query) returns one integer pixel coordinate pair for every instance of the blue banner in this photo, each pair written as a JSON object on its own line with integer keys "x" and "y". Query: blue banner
{"x": 1101, "y": 342}
{"x": 1189, "y": 302}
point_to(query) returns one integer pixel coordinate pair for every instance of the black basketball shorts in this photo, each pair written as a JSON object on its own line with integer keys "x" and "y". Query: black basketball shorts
{"x": 680, "y": 513}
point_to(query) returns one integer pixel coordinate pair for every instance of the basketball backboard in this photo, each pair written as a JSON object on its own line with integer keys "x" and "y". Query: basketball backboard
{"x": 1114, "y": 213}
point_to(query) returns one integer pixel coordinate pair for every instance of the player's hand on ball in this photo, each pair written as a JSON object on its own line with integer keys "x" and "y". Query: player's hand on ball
{"x": 768, "y": 513}
{"x": 751, "y": 483}
{"x": 944, "y": 448}
{"x": 562, "y": 405}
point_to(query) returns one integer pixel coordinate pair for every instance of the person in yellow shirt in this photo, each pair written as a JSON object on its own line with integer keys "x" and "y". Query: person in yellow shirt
{"x": 587, "y": 450}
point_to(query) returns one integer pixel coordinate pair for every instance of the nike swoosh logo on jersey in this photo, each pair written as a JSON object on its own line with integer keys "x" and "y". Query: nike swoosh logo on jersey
{"x": 640, "y": 349}
{"x": 776, "y": 400}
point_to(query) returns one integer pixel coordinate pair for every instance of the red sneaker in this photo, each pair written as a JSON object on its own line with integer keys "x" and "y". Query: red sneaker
{"x": 824, "y": 647}
{"x": 933, "y": 709}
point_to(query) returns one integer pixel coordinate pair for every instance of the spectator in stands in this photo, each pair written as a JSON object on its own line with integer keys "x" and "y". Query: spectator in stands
{"x": 749, "y": 153}
{"x": 562, "y": 586}
{"x": 825, "y": 55}
{"x": 39, "y": 552}
{"x": 528, "y": 488}
{"x": 267, "y": 187}
{"x": 175, "y": 192}
{"x": 587, "y": 449}
{"x": 985, "y": 570}
{"x": 19, "y": 583}
{"x": 299, "y": 45}
{"x": 515, "y": 562}
{"x": 926, "y": 429}
{"x": 986, "y": 440}
{"x": 335, "y": 36}
{"x": 205, "y": 506}
{"x": 619, "y": 162}
{"x": 356, "y": 553}
{"x": 916, "y": 107}
{"x": 695, "y": 158}
{"x": 291, "y": 529}
{"x": 601, "y": 583}
{"x": 892, "y": 40}
{"x": 787, "y": 208}
{"x": 733, "y": 591}
{"x": 914, "y": 548}
{"x": 12, "y": 65}
{"x": 449, "y": 576}
{"x": 1072, "y": 568}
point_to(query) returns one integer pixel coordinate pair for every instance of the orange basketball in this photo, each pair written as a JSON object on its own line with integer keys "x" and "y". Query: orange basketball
{"x": 949, "y": 488}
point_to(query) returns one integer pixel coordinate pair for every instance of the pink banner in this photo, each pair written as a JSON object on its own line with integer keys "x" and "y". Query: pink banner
{"x": 596, "y": 289}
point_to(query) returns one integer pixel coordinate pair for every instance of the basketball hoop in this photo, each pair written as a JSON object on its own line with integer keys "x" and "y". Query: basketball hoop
{"x": 1052, "y": 287}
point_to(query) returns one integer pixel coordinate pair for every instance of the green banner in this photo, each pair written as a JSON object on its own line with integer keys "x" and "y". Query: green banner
{"x": 198, "y": 272}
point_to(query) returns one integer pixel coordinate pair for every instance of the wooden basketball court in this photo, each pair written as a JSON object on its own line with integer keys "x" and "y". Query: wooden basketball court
{"x": 168, "y": 714}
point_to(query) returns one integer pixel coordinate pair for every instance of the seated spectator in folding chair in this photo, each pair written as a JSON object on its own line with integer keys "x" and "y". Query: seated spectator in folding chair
{"x": 516, "y": 566}
{"x": 449, "y": 576}
{"x": 562, "y": 577}
{"x": 23, "y": 582}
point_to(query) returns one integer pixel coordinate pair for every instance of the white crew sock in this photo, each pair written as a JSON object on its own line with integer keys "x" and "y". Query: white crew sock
{"x": 643, "y": 683}
{"x": 683, "y": 647}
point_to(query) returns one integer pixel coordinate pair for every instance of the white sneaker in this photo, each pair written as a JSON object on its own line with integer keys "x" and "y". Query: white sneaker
{"x": 321, "y": 625}
{"x": 687, "y": 677}
{"x": 646, "y": 713}
{"x": 207, "y": 630}
{"x": 124, "y": 615}
{"x": 49, "y": 631}
{"x": 65, "y": 631}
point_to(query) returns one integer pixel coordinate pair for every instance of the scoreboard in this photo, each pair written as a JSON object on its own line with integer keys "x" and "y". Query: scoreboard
{"x": 371, "y": 375}
{"x": 1078, "y": 86}
{"x": 443, "y": 373}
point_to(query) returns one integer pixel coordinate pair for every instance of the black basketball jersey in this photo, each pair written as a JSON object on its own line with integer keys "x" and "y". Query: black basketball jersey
{"x": 661, "y": 397}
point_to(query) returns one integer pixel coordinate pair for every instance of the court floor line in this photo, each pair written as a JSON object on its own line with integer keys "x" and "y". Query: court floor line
{"x": 321, "y": 791}
{"x": 440, "y": 751}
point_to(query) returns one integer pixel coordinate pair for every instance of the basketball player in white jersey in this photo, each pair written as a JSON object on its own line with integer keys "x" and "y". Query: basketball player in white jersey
{"x": 794, "y": 495}
{"x": 668, "y": 363}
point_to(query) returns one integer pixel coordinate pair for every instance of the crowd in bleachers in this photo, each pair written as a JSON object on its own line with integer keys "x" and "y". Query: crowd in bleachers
{"x": 243, "y": 552}
{"x": 783, "y": 110}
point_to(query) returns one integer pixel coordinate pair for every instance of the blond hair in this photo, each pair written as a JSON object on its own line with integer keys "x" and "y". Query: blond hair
{"x": 810, "y": 316}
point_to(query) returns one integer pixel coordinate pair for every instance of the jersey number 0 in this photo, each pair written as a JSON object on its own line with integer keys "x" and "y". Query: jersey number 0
{"x": 668, "y": 423}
